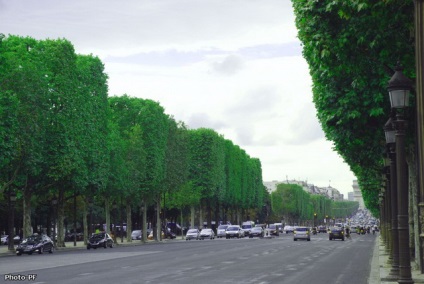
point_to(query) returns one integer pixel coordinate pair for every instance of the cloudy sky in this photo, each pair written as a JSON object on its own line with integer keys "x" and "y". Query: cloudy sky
{"x": 232, "y": 65}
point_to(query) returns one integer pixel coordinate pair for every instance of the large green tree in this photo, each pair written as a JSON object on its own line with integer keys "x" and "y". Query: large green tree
{"x": 351, "y": 48}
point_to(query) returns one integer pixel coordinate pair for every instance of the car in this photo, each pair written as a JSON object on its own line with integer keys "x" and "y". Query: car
{"x": 322, "y": 229}
{"x": 5, "y": 239}
{"x": 234, "y": 231}
{"x": 100, "y": 240}
{"x": 35, "y": 243}
{"x": 256, "y": 232}
{"x": 273, "y": 230}
{"x": 288, "y": 229}
{"x": 302, "y": 233}
{"x": 220, "y": 232}
{"x": 280, "y": 226}
{"x": 336, "y": 233}
{"x": 207, "y": 234}
{"x": 136, "y": 235}
{"x": 247, "y": 227}
{"x": 192, "y": 234}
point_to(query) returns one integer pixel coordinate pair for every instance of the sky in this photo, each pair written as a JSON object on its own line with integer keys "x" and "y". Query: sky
{"x": 233, "y": 66}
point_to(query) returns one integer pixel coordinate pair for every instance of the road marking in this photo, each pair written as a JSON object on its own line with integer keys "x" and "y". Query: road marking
{"x": 85, "y": 274}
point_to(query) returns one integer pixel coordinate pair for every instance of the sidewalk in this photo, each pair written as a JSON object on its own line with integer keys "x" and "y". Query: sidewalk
{"x": 380, "y": 268}
{"x": 80, "y": 245}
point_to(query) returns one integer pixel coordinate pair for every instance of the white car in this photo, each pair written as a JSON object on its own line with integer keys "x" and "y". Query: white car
{"x": 220, "y": 232}
{"x": 192, "y": 234}
{"x": 302, "y": 233}
{"x": 207, "y": 234}
{"x": 234, "y": 231}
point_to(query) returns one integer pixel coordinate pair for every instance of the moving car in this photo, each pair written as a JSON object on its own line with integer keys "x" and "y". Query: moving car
{"x": 322, "y": 229}
{"x": 234, "y": 231}
{"x": 100, "y": 240}
{"x": 273, "y": 230}
{"x": 256, "y": 232}
{"x": 220, "y": 232}
{"x": 336, "y": 233}
{"x": 288, "y": 229}
{"x": 247, "y": 227}
{"x": 207, "y": 234}
{"x": 38, "y": 243}
{"x": 302, "y": 233}
{"x": 192, "y": 234}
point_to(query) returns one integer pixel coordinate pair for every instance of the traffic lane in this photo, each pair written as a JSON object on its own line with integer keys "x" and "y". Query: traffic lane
{"x": 277, "y": 260}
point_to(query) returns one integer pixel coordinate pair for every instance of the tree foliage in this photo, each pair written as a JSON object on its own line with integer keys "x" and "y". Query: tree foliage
{"x": 351, "y": 48}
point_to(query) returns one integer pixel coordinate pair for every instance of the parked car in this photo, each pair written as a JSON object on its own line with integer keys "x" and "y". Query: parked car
{"x": 192, "y": 234}
{"x": 336, "y": 233}
{"x": 207, "y": 234}
{"x": 280, "y": 226}
{"x": 247, "y": 227}
{"x": 5, "y": 239}
{"x": 100, "y": 240}
{"x": 136, "y": 235}
{"x": 221, "y": 231}
{"x": 39, "y": 243}
{"x": 256, "y": 232}
{"x": 234, "y": 231}
{"x": 302, "y": 233}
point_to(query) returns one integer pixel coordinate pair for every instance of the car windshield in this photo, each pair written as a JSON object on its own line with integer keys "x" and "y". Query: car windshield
{"x": 301, "y": 229}
{"x": 246, "y": 226}
{"x": 256, "y": 229}
{"x": 232, "y": 228}
{"x": 32, "y": 239}
{"x": 206, "y": 230}
{"x": 98, "y": 236}
{"x": 272, "y": 226}
{"x": 223, "y": 227}
{"x": 192, "y": 231}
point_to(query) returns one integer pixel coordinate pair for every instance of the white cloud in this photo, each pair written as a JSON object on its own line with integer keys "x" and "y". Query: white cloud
{"x": 234, "y": 66}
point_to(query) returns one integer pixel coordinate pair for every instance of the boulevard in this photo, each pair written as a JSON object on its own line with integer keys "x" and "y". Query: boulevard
{"x": 268, "y": 260}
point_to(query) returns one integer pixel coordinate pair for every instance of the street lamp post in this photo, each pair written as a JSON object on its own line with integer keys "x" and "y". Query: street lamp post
{"x": 399, "y": 87}
{"x": 389, "y": 132}
{"x": 11, "y": 238}
{"x": 315, "y": 218}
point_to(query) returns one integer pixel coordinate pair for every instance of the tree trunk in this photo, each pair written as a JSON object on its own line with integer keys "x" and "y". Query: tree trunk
{"x": 192, "y": 211}
{"x": 144, "y": 223}
{"x": 129, "y": 222}
{"x": 107, "y": 213}
{"x": 158, "y": 220}
{"x": 200, "y": 217}
{"x": 27, "y": 228}
{"x": 84, "y": 221}
{"x": 60, "y": 219}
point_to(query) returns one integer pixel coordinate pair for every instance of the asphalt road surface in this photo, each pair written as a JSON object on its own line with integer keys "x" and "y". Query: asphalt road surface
{"x": 275, "y": 260}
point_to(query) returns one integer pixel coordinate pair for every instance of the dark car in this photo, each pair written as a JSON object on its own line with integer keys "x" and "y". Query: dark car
{"x": 256, "y": 232}
{"x": 336, "y": 233}
{"x": 322, "y": 229}
{"x": 38, "y": 243}
{"x": 100, "y": 240}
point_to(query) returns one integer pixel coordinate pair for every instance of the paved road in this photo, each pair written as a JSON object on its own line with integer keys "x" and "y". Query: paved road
{"x": 276, "y": 260}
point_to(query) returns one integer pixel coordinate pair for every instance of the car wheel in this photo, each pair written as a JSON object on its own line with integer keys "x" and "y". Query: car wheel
{"x": 88, "y": 247}
{"x": 330, "y": 239}
{"x": 51, "y": 249}
{"x": 104, "y": 245}
{"x": 29, "y": 253}
{"x": 309, "y": 240}
{"x": 40, "y": 250}
{"x": 111, "y": 245}
{"x": 19, "y": 253}
{"x": 295, "y": 240}
{"x": 342, "y": 239}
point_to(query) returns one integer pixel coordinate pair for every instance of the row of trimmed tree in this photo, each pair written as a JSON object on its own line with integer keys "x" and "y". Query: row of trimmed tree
{"x": 291, "y": 203}
{"x": 62, "y": 138}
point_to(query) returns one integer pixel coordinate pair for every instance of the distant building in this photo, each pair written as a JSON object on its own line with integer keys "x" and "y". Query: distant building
{"x": 350, "y": 196}
{"x": 329, "y": 191}
{"x": 357, "y": 194}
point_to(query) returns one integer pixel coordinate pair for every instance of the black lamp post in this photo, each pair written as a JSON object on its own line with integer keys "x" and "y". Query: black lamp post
{"x": 315, "y": 218}
{"x": 389, "y": 132}
{"x": 399, "y": 87}
{"x": 54, "y": 204}
{"x": 11, "y": 238}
